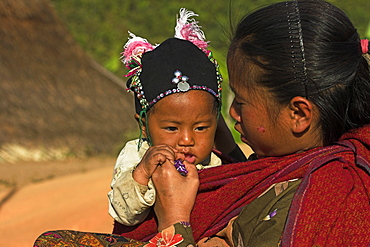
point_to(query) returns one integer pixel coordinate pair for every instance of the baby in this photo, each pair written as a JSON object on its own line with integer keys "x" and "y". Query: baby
{"x": 178, "y": 98}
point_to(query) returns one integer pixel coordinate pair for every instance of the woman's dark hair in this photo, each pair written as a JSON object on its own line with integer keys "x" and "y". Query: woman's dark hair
{"x": 307, "y": 48}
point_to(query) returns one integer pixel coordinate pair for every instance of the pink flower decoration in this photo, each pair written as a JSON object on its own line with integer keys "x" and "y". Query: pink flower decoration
{"x": 365, "y": 46}
{"x": 191, "y": 33}
{"x": 188, "y": 29}
{"x": 136, "y": 49}
{"x": 165, "y": 239}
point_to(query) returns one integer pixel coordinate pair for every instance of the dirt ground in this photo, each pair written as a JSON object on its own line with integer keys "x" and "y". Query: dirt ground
{"x": 39, "y": 196}
{"x": 42, "y": 196}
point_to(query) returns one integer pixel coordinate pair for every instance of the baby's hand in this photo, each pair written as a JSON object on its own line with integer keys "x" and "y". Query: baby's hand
{"x": 153, "y": 157}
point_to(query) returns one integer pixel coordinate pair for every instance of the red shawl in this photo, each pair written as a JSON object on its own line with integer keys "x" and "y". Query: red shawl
{"x": 331, "y": 206}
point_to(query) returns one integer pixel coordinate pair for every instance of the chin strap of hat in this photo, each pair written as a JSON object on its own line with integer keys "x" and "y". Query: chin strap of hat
{"x": 143, "y": 114}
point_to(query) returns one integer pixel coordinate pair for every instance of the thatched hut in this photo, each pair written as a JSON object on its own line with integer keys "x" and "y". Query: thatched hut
{"x": 55, "y": 100}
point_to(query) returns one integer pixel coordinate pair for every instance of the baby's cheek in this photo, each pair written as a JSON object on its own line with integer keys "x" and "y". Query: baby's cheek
{"x": 203, "y": 151}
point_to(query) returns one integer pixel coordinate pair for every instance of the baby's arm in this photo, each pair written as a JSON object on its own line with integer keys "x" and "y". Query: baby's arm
{"x": 132, "y": 190}
{"x": 129, "y": 200}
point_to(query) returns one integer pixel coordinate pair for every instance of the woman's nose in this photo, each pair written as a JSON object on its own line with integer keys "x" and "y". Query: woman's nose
{"x": 234, "y": 112}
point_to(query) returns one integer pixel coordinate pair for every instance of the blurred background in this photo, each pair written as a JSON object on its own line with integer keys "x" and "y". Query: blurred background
{"x": 62, "y": 90}
{"x": 101, "y": 27}
{"x": 64, "y": 109}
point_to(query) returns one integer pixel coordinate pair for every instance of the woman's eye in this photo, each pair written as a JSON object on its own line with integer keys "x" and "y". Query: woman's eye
{"x": 237, "y": 103}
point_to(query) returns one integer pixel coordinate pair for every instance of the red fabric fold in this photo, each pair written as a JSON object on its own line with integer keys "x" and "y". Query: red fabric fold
{"x": 331, "y": 206}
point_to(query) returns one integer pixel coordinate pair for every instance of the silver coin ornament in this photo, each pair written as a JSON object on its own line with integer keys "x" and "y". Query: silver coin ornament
{"x": 183, "y": 86}
{"x": 181, "y": 81}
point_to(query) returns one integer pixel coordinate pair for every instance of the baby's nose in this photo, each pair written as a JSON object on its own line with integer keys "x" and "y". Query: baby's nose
{"x": 186, "y": 140}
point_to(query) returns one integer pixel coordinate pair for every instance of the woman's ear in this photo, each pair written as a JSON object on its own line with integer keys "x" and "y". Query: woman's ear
{"x": 301, "y": 113}
{"x": 142, "y": 126}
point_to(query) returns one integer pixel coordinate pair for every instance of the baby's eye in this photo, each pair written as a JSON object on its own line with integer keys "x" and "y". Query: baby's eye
{"x": 201, "y": 128}
{"x": 171, "y": 128}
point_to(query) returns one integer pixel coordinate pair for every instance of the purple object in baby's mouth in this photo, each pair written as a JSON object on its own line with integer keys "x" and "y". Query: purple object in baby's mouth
{"x": 180, "y": 167}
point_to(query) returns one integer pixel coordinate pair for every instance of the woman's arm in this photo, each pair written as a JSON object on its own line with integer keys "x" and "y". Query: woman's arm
{"x": 175, "y": 194}
{"x": 175, "y": 200}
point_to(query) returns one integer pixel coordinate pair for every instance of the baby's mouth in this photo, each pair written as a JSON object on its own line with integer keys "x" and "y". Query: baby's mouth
{"x": 190, "y": 158}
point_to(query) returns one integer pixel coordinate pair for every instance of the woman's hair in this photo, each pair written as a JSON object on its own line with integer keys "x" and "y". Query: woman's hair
{"x": 306, "y": 48}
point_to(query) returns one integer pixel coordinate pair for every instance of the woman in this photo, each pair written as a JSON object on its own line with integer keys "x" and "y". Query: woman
{"x": 302, "y": 100}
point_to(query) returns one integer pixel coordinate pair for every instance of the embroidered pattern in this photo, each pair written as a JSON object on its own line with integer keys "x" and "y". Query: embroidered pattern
{"x": 165, "y": 239}
{"x": 75, "y": 238}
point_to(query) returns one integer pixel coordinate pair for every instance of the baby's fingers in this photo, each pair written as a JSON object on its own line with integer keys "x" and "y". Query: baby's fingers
{"x": 168, "y": 151}
{"x": 179, "y": 156}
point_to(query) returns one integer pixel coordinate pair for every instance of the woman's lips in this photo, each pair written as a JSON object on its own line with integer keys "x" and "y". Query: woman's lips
{"x": 236, "y": 127}
{"x": 243, "y": 139}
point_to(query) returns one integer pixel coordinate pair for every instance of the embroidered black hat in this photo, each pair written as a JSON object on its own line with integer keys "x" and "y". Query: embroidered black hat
{"x": 177, "y": 65}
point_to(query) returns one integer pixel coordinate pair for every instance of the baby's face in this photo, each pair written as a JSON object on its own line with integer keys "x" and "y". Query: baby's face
{"x": 185, "y": 121}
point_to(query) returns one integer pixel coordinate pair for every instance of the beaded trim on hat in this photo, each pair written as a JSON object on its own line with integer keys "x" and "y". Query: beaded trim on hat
{"x": 177, "y": 90}
{"x": 297, "y": 45}
{"x": 137, "y": 88}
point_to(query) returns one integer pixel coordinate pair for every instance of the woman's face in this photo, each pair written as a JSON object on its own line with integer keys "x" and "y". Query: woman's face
{"x": 267, "y": 136}
{"x": 185, "y": 121}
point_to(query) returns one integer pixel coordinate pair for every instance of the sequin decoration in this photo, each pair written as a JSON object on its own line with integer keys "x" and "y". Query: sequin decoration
{"x": 181, "y": 81}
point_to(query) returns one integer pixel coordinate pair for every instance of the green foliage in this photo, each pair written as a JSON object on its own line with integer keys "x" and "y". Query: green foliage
{"x": 367, "y": 33}
{"x": 101, "y": 26}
